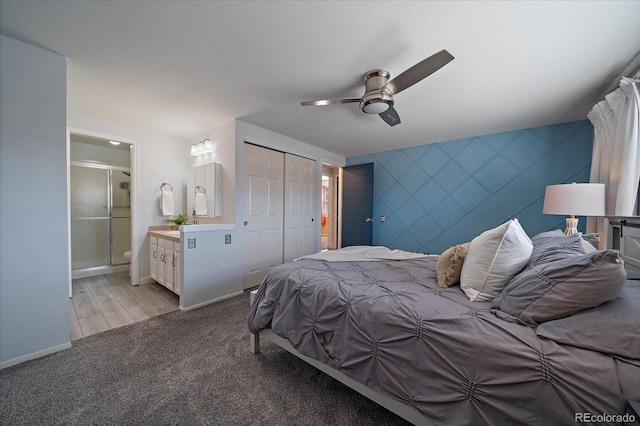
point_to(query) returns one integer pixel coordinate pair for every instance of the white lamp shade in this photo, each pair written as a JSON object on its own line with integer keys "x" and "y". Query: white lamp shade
{"x": 582, "y": 199}
{"x": 208, "y": 145}
{"x": 194, "y": 150}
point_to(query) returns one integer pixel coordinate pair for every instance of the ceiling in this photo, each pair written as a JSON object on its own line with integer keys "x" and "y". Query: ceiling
{"x": 185, "y": 67}
{"x": 104, "y": 143}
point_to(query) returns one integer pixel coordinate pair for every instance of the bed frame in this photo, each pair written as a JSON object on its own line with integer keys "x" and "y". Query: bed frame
{"x": 405, "y": 411}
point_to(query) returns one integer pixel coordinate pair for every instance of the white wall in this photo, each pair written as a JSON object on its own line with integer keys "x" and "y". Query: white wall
{"x": 223, "y": 138}
{"x": 103, "y": 154}
{"x": 246, "y": 132}
{"x": 157, "y": 158}
{"x": 213, "y": 269}
{"x": 34, "y": 251}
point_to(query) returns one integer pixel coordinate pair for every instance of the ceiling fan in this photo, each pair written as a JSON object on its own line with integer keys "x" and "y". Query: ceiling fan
{"x": 379, "y": 91}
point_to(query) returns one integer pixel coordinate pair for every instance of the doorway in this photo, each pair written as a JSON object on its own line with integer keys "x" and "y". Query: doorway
{"x": 357, "y": 205}
{"x": 100, "y": 205}
{"x": 280, "y": 210}
{"x": 329, "y": 207}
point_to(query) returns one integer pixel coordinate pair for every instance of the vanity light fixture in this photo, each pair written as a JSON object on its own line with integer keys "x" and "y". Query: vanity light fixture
{"x": 203, "y": 147}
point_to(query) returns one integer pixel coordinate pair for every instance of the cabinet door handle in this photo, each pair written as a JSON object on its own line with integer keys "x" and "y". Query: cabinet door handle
{"x": 173, "y": 262}
{"x": 154, "y": 254}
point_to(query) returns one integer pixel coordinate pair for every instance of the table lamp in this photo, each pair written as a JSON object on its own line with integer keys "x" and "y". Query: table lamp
{"x": 582, "y": 199}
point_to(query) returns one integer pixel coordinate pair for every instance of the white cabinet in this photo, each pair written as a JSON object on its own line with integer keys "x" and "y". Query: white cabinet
{"x": 177, "y": 269}
{"x": 153, "y": 250}
{"x": 206, "y": 182}
{"x": 624, "y": 236}
{"x": 165, "y": 263}
{"x": 161, "y": 264}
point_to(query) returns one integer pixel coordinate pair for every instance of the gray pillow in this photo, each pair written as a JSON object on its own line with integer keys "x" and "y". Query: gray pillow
{"x": 610, "y": 328}
{"x": 559, "y": 288}
{"x": 554, "y": 245}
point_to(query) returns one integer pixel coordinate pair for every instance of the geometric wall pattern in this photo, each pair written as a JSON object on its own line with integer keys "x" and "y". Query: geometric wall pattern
{"x": 437, "y": 195}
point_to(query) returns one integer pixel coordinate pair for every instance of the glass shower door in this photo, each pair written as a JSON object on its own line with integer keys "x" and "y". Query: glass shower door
{"x": 90, "y": 217}
{"x": 120, "y": 216}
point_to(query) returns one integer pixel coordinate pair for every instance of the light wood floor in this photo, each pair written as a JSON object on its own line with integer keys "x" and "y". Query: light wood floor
{"x": 110, "y": 301}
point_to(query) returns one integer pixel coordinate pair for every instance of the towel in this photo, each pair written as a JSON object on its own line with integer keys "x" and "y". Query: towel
{"x": 166, "y": 202}
{"x": 201, "y": 204}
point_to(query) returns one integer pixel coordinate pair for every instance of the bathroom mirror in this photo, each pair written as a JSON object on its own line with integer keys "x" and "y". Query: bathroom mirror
{"x": 204, "y": 197}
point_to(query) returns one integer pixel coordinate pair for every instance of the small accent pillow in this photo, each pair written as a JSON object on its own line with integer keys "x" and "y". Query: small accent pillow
{"x": 494, "y": 258}
{"x": 449, "y": 265}
{"x": 559, "y": 288}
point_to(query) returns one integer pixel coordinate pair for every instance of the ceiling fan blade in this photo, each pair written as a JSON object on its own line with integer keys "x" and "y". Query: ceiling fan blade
{"x": 419, "y": 71}
{"x": 330, "y": 101}
{"x": 390, "y": 116}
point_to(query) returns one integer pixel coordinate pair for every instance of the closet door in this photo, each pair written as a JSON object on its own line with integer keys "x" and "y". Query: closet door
{"x": 299, "y": 206}
{"x": 263, "y": 224}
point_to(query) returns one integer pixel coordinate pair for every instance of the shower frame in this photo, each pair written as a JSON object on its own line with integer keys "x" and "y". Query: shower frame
{"x": 110, "y": 267}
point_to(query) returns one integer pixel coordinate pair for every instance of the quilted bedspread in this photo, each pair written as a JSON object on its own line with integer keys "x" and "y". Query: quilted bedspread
{"x": 388, "y": 325}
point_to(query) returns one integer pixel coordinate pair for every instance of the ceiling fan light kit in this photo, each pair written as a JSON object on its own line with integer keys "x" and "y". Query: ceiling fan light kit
{"x": 376, "y": 99}
{"x": 379, "y": 91}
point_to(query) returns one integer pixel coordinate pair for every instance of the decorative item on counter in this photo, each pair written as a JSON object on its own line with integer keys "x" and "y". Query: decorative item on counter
{"x": 180, "y": 219}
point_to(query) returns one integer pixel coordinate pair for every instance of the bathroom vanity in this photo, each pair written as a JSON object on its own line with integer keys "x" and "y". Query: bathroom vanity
{"x": 200, "y": 263}
{"x": 165, "y": 259}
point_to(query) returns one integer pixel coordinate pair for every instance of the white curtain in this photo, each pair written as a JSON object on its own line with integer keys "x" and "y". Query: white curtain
{"x": 616, "y": 151}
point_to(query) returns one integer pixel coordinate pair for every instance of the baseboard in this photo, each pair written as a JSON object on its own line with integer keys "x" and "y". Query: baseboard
{"x": 98, "y": 270}
{"x": 146, "y": 280}
{"x": 34, "y": 355}
{"x": 208, "y": 302}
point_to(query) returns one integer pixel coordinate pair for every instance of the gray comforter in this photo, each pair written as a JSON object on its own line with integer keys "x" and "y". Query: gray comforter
{"x": 388, "y": 325}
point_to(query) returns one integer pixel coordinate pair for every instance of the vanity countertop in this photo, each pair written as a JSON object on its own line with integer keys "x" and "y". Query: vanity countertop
{"x": 167, "y": 232}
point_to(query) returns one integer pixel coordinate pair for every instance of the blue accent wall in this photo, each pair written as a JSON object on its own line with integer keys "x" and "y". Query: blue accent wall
{"x": 437, "y": 195}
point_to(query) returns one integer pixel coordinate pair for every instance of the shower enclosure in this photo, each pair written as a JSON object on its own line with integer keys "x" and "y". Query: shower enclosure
{"x": 100, "y": 217}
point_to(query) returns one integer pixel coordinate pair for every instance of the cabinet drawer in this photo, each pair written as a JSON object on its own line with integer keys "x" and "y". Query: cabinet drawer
{"x": 153, "y": 240}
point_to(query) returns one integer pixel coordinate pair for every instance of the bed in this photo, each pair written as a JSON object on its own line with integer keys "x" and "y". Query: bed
{"x": 386, "y": 328}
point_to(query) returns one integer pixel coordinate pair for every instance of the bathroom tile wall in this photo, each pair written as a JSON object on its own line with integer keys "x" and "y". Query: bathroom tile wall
{"x": 437, "y": 195}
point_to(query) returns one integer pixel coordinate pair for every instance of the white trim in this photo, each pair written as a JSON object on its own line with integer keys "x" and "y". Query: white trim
{"x": 208, "y": 302}
{"x": 69, "y": 266}
{"x": 133, "y": 167}
{"x": 98, "y": 270}
{"x": 133, "y": 164}
{"x": 34, "y": 355}
{"x": 209, "y": 227}
{"x": 145, "y": 280}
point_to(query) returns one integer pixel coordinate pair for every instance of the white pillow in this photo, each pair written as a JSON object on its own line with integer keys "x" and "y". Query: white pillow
{"x": 494, "y": 258}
